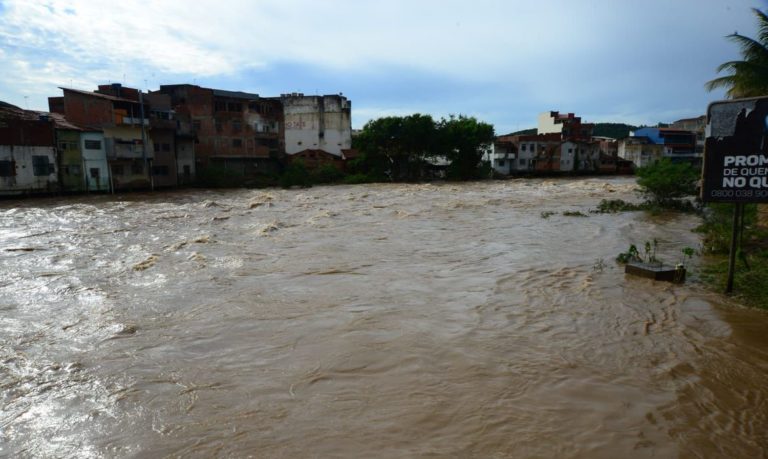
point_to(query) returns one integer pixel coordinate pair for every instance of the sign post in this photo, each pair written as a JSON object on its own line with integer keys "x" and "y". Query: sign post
{"x": 736, "y": 160}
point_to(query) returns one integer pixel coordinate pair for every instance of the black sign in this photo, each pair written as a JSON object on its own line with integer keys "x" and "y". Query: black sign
{"x": 736, "y": 151}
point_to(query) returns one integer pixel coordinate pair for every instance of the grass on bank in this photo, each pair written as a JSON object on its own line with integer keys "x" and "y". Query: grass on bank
{"x": 750, "y": 282}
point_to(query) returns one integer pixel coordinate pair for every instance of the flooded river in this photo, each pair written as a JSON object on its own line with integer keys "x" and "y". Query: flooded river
{"x": 373, "y": 321}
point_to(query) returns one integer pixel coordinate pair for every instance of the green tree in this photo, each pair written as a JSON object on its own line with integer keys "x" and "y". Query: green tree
{"x": 461, "y": 140}
{"x": 664, "y": 182}
{"x": 747, "y": 77}
{"x": 397, "y": 145}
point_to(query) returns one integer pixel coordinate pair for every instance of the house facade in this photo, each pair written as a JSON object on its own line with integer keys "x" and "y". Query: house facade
{"x": 120, "y": 114}
{"x": 238, "y": 131}
{"x": 27, "y": 152}
{"x": 641, "y": 151}
{"x": 95, "y": 164}
{"x": 679, "y": 145}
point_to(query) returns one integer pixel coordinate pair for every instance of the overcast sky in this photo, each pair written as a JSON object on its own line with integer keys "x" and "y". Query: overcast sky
{"x": 503, "y": 61}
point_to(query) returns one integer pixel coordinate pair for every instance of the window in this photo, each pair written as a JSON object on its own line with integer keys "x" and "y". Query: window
{"x": 522, "y": 162}
{"x": 165, "y": 147}
{"x": 157, "y": 146}
{"x": 220, "y": 106}
{"x": 95, "y": 172}
{"x": 196, "y": 125}
{"x": 237, "y": 125}
{"x": 501, "y": 163}
{"x": 160, "y": 170}
{"x": 137, "y": 168}
{"x": 235, "y": 107}
{"x": 522, "y": 147}
{"x": 219, "y": 125}
{"x": 237, "y": 143}
{"x": 93, "y": 144}
{"x": 7, "y": 168}
{"x": 187, "y": 170}
{"x": 41, "y": 166}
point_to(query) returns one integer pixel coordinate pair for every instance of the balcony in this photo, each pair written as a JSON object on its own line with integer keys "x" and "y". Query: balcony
{"x": 117, "y": 149}
{"x": 122, "y": 118}
{"x": 157, "y": 123}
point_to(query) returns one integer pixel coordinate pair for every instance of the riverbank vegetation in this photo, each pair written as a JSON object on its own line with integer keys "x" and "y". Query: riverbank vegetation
{"x": 665, "y": 185}
{"x": 751, "y": 274}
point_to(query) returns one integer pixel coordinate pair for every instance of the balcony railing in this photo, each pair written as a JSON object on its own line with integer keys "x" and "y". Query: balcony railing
{"x": 124, "y": 150}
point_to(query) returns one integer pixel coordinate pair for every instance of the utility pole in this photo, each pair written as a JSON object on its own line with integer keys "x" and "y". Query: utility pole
{"x": 144, "y": 142}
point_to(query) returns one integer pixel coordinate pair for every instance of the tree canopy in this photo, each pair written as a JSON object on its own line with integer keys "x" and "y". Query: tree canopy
{"x": 405, "y": 147}
{"x": 747, "y": 77}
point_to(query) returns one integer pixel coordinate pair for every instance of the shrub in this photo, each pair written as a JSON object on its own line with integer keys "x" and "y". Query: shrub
{"x": 296, "y": 174}
{"x": 327, "y": 173}
{"x": 215, "y": 176}
{"x": 665, "y": 182}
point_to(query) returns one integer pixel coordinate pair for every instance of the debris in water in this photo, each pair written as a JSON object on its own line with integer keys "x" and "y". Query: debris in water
{"x": 263, "y": 200}
{"x": 196, "y": 257}
{"x": 202, "y": 240}
{"x": 21, "y": 249}
{"x": 269, "y": 228}
{"x": 148, "y": 263}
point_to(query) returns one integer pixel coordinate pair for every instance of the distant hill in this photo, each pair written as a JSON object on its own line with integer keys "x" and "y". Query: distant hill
{"x": 531, "y": 131}
{"x": 614, "y": 130}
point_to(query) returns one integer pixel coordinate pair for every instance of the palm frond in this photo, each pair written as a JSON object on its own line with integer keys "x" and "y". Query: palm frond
{"x": 762, "y": 20}
{"x": 750, "y": 48}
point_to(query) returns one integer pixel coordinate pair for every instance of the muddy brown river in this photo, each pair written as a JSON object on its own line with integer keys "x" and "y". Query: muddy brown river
{"x": 380, "y": 321}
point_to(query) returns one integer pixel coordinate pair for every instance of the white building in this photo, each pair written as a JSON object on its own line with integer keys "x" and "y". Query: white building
{"x": 93, "y": 148}
{"x": 317, "y": 123}
{"x": 500, "y": 156}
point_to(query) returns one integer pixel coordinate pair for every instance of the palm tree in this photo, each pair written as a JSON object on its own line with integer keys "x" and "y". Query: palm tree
{"x": 748, "y": 77}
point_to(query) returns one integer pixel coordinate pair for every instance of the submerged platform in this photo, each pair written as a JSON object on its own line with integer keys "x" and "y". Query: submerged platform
{"x": 656, "y": 271}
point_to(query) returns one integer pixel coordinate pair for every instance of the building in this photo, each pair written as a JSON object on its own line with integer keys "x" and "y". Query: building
{"x": 696, "y": 125}
{"x": 236, "y": 131}
{"x": 27, "y": 152}
{"x": 120, "y": 113}
{"x": 95, "y": 163}
{"x": 317, "y": 123}
{"x": 69, "y": 155}
{"x": 501, "y": 155}
{"x": 567, "y": 125}
{"x": 679, "y": 145}
{"x": 641, "y": 151}
{"x": 162, "y": 123}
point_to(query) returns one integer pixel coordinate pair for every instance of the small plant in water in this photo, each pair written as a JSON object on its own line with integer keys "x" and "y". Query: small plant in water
{"x": 547, "y": 214}
{"x": 574, "y": 213}
{"x": 599, "y": 265}
{"x": 632, "y": 254}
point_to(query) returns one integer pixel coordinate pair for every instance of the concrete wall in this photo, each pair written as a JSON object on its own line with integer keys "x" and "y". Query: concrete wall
{"x": 317, "y": 122}
{"x": 640, "y": 154}
{"x": 185, "y": 160}
{"x": 20, "y": 174}
{"x": 164, "y": 164}
{"x": 547, "y": 125}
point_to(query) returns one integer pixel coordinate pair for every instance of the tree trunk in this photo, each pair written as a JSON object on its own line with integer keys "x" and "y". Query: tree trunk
{"x": 762, "y": 215}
